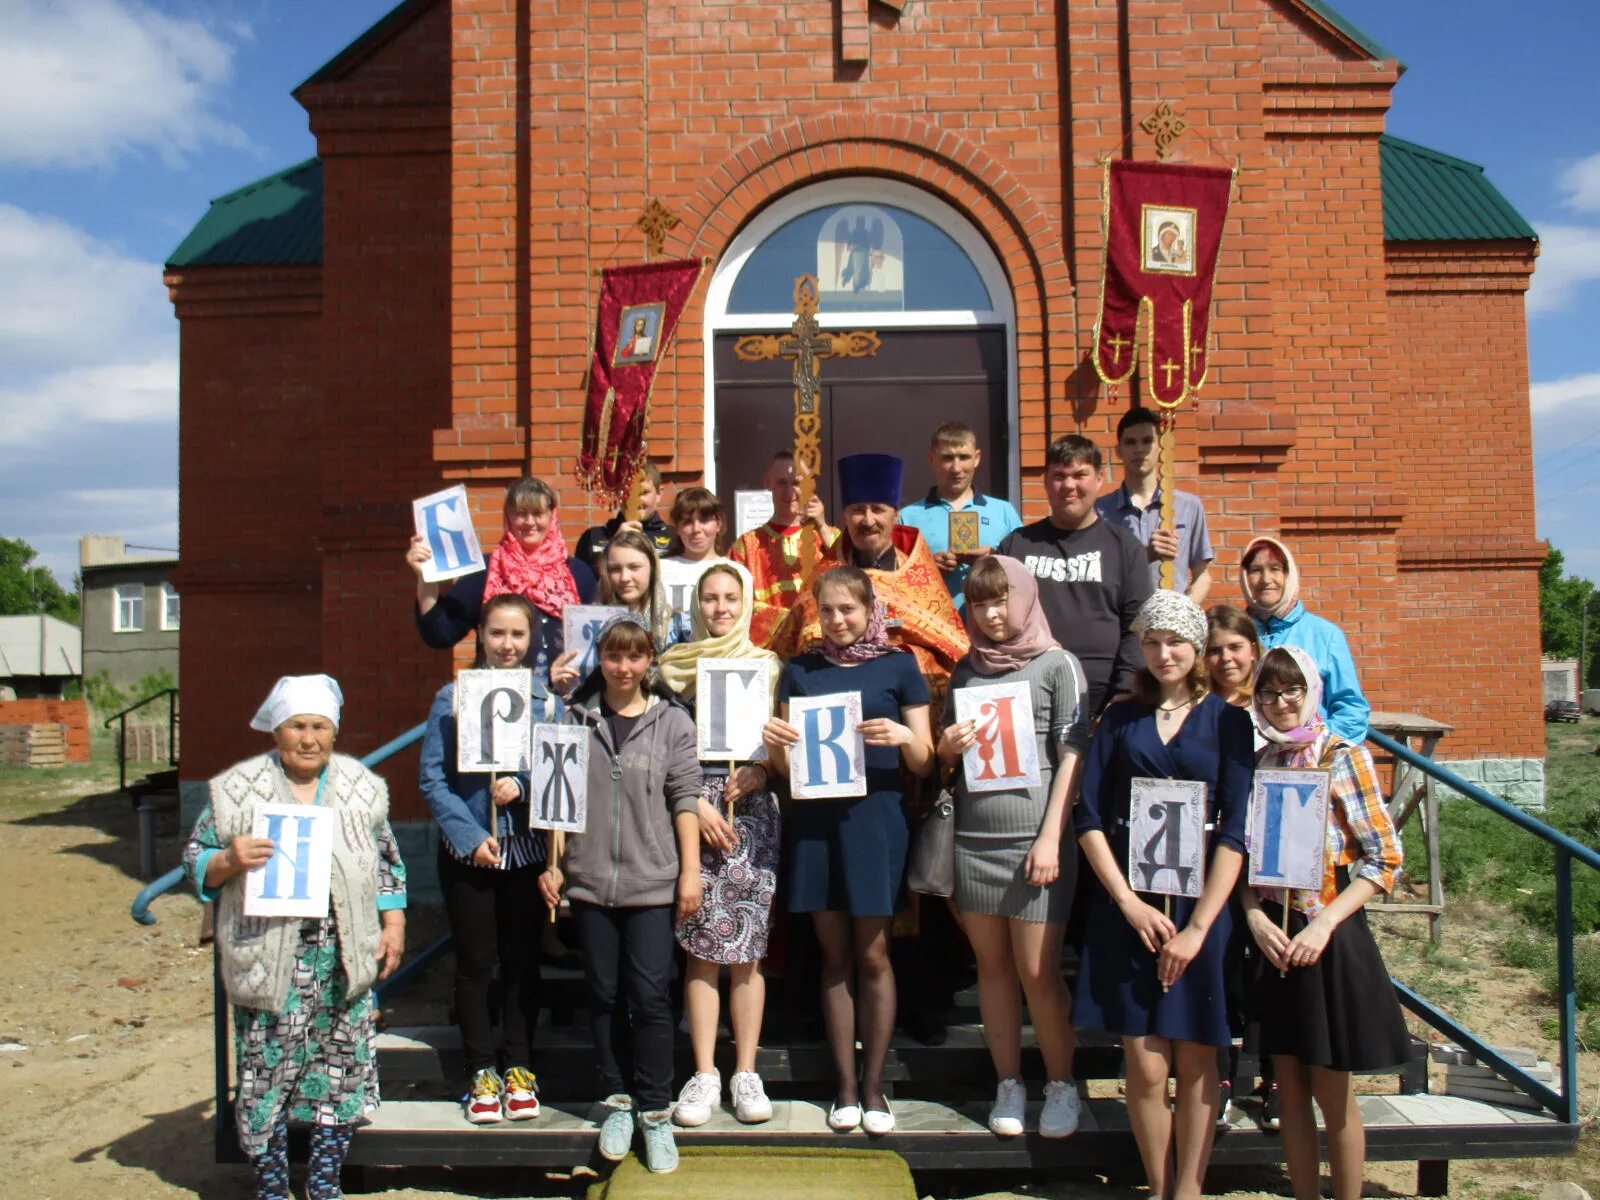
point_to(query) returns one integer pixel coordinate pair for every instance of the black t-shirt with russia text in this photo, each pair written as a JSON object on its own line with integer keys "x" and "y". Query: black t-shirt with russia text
{"x": 1092, "y": 582}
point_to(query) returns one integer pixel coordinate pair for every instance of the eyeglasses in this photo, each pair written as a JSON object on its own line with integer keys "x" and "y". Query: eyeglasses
{"x": 1292, "y": 695}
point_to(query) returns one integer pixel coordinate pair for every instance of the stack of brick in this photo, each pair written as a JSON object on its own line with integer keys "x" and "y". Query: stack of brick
{"x": 43, "y": 733}
{"x": 1467, "y": 1078}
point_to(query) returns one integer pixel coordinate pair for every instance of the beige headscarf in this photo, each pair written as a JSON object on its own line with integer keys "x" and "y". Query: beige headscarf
{"x": 679, "y": 664}
{"x": 1291, "y": 583}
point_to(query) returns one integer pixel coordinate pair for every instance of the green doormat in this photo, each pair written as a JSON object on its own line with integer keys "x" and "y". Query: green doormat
{"x": 781, "y": 1173}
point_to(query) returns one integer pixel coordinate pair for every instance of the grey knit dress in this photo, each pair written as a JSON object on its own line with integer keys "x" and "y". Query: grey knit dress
{"x": 995, "y": 830}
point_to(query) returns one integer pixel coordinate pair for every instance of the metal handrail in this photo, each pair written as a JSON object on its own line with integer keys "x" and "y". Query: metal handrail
{"x": 122, "y": 732}
{"x": 1564, "y": 1104}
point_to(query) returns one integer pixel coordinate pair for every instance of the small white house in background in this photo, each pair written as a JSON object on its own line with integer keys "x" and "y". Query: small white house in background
{"x": 39, "y": 655}
{"x": 1560, "y": 679}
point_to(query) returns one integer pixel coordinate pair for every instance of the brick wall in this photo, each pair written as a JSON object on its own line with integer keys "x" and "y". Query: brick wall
{"x": 73, "y": 714}
{"x": 458, "y": 286}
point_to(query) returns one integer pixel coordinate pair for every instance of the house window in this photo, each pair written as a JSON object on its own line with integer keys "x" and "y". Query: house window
{"x": 128, "y": 616}
{"x": 169, "y": 608}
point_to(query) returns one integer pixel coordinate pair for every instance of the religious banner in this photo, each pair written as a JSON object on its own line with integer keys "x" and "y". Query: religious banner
{"x": 580, "y": 626}
{"x": 634, "y": 322}
{"x": 1163, "y": 231}
{"x": 1167, "y": 836}
{"x": 831, "y": 759}
{"x": 559, "y": 793}
{"x": 1006, "y": 755}
{"x": 492, "y": 729}
{"x": 1288, "y": 827}
{"x": 294, "y": 882}
{"x": 444, "y": 521}
{"x": 733, "y": 699}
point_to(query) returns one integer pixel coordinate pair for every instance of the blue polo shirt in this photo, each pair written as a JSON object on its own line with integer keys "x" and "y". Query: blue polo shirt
{"x": 1188, "y": 515}
{"x": 931, "y": 516}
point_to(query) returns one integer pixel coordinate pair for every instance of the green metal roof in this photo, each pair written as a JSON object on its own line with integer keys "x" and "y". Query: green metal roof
{"x": 1433, "y": 197}
{"x": 273, "y": 220}
{"x": 1350, "y": 31}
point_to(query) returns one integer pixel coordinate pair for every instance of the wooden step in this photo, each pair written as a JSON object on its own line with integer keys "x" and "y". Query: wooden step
{"x": 564, "y": 1058}
{"x": 935, "y": 1136}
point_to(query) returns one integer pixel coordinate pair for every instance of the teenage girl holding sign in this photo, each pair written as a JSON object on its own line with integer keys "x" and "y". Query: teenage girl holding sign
{"x": 1013, "y": 883}
{"x": 846, "y": 858}
{"x": 738, "y": 868}
{"x": 489, "y": 863}
{"x": 631, "y": 579}
{"x": 1158, "y": 979}
{"x": 1323, "y": 996}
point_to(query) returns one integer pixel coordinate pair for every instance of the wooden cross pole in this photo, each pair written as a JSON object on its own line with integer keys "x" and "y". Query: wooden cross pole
{"x": 804, "y": 346}
{"x": 1168, "y": 447}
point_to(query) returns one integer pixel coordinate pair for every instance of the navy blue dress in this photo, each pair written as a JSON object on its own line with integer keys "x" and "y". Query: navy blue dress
{"x": 1117, "y": 986}
{"x": 849, "y": 855}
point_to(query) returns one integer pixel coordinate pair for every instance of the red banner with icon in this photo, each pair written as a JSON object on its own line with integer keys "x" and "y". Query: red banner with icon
{"x": 1164, "y": 226}
{"x": 634, "y": 323}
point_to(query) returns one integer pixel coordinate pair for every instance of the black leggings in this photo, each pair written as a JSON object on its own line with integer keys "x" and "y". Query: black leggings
{"x": 497, "y": 916}
{"x": 627, "y": 956}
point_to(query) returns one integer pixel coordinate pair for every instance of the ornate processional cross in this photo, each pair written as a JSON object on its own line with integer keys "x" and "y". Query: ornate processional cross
{"x": 804, "y": 346}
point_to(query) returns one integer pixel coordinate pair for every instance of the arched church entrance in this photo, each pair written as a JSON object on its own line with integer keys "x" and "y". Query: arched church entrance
{"x": 889, "y": 258}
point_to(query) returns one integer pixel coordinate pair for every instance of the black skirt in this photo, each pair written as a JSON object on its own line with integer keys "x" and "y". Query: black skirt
{"x": 1340, "y": 1012}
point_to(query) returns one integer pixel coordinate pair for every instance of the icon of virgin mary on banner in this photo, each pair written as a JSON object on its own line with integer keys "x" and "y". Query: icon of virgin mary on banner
{"x": 1163, "y": 231}
{"x": 634, "y": 323}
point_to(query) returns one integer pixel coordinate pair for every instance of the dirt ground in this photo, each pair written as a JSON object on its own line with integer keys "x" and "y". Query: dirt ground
{"x": 105, "y": 1029}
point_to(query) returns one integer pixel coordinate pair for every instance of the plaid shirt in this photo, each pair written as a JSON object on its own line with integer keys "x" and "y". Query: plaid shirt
{"x": 1360, "y": 834}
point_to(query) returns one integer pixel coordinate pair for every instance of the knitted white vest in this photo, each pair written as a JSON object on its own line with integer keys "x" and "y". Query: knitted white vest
{"x": 258, "y": 953}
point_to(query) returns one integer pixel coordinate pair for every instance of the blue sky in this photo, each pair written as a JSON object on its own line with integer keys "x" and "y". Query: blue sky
{"x": 120, "y": 119}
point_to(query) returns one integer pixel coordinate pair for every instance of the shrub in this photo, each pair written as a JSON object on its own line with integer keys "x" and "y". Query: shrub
{"x": 1585, "y": 974}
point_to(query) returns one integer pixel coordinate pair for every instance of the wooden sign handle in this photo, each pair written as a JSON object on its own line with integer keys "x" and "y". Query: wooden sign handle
{"x": 557, "y": 847}
{"x": 1284, "y": 971}
{"x": 1166, "y": 907}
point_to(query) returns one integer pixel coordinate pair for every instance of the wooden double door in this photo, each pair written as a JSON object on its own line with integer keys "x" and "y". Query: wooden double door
{"x": 889, "y": 403}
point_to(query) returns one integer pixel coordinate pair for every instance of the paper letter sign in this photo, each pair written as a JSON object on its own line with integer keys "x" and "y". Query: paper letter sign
{"x": 294, "y": 881}
{"x": 831, "y": 759}
{"x": 492, "y": 730}
{"x": 560, "y": 793}
{"x": 444, "y": 521}
{"x": 1006, "y": 754}
{"x": 1167, "y": 836}
{"x": 733, "y": 699}
{"x": 1288, "y": 825}
{"x": 580, "y": 626}
{"x": 964, "y": 532}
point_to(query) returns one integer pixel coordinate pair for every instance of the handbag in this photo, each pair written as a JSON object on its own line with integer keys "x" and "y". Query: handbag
{"x": 931, "y": 865}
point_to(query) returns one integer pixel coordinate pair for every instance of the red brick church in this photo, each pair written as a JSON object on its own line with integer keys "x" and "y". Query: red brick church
{"x": 413, "y": 306}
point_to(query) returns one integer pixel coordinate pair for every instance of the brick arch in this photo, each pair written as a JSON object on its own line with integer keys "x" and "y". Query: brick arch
{"x": 1018, "y": 229}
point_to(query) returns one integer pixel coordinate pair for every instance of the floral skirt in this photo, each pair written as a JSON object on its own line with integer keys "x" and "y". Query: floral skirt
{"x": 313, "y": 1063}
{"x": 736, "y": 910}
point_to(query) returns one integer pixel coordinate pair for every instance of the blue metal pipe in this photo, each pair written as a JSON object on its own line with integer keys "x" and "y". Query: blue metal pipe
{"x": 412, "y": 968}
{"x": 1566, "y": 988}
{"x": 390, "y": 749}
{"x": 1510, "y": 812}
{"x": 140, "y": 911}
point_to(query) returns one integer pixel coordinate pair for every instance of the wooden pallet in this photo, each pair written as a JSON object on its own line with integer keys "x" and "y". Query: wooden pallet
{"x": 33, "y": 745}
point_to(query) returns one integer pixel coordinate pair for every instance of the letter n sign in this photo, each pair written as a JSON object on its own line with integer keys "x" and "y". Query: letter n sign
{"x": 1006, "y": 755}
{"x": 830, "y": 760}
{"x": 294, "y": 881}
{"x": 1288, "y": 829}
{"x": 444, "y": 521}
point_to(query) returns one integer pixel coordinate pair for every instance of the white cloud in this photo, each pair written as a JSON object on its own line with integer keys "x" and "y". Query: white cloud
{"x": 1569, "y": 259}
{"x": 144, "y": 392}
{"x": 1581, "y": 391}
{"x": 1581, "y": 182}
{"x": 84, "y": 81}
{"x": 69, "y": 298}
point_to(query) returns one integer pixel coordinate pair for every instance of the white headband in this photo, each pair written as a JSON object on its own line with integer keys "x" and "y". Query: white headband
{"x": 299, "y": 695}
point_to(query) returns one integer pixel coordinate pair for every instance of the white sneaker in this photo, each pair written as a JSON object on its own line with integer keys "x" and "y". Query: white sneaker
{"x": 1010, "y": 1106}
{"x": 700, "y": 1095}
{"x": 750, "y": 1103}
{"x": 1062, "y": 1109}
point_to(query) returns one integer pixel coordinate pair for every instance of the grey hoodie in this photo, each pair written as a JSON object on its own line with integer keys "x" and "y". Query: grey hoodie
{"x": 627, "y": 855}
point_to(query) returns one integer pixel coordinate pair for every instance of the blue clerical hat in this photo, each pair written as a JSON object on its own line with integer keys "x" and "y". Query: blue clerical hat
{"x": 870, "y": 479}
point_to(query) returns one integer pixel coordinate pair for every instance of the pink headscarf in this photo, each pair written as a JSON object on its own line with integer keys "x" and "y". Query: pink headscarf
{"x": 1291, "y": 583}
{"x": 1028, "y": 633}
{"x": 1308, "y": 722}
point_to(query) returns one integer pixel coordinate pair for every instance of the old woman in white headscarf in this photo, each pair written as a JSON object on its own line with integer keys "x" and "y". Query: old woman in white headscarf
{"x": 295, "y": 848}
